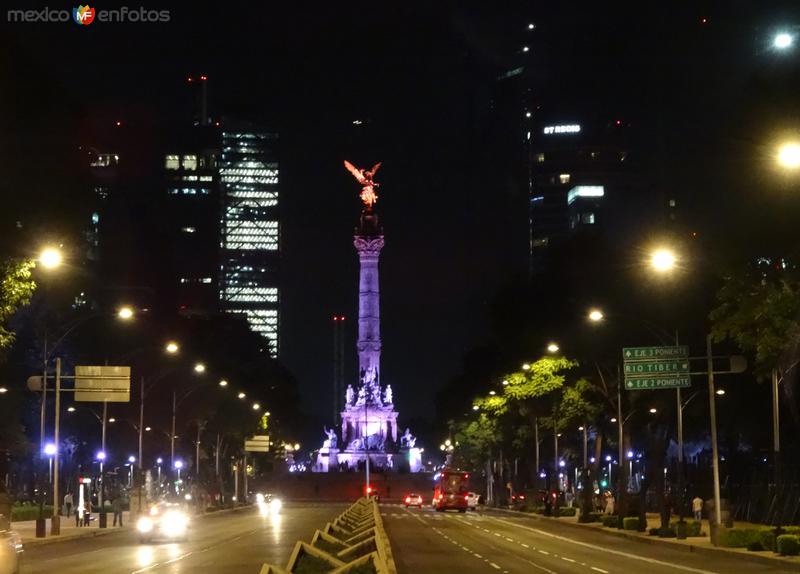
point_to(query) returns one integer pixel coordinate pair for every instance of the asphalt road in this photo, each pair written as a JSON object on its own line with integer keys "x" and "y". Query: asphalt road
{"x": 429, "y": 542}
{"x": 238, "y": 542}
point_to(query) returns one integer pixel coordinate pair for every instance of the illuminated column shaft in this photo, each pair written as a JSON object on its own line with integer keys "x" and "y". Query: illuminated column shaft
{"x": 369, "y": 319}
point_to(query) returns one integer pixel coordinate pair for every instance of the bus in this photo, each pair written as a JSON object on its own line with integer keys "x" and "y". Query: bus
{"x": 451, "y": 491}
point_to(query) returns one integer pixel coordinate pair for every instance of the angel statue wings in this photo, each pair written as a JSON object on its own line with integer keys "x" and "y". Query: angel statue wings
{"x": 365, "y": 177}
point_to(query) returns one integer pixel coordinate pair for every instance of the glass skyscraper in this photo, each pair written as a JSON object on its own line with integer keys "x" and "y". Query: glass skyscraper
{"x": 249, "y": 229}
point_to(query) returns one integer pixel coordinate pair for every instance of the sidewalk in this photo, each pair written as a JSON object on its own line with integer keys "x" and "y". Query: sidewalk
{"x": 27, "y": 529}
{"x": 698, "y": 544}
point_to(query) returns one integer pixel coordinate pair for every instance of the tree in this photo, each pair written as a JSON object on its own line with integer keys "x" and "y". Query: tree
{"x": 16, "y": 288}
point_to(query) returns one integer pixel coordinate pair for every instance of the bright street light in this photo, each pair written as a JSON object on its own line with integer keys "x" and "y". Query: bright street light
{"x": 50, "y": 257}
{"x": 199, "y": 368}
{"x": 242, "y": 395}
{"x": 70, "y": 409}
{"x": 553, "y": 348}
{"x": 125, "y": 313}
{"x": 596, "y": 315}
{"x": 505, "y": 383}
{"x": 720, "y": 392}
{"x": 789, "y": 155}
{"x": 159, "y": 460}
{"x": 100, "y": 455}
{"x": 49, "y": 449}
{"x": 172, "y": 347}
{"x": 3, "y": 390}
{"x": 653, "y": 411}
{"x": 112, "y": 420}
{"x": 147, "y": 429}
{"x": 475, "y": 407}
{"x": 223, "y": 383}
{"x": 662, "y": 260}
{"x": 492, "y": 393}
{"x": 266, "y": 414}
{"x": 179, "y": 464}
{"x": 131, "y": 459}
{"x": 526, "y": 366}
{"x": 783, "y": 40}
{"x": 256, "y": 406}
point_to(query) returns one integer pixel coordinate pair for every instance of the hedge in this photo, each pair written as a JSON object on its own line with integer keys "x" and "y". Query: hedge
{"x": 693, "y": 527}
{"x": 630, "y": 523}
{"x": 742, "y": 537}
{"x": 567, "y": 511}
{"x": 767, "y": 540}
{"x": 20, "y": 513}
{"x": 610, "y": 520}
{"x": 788, "y": 545}
{"x": 590, "y": 517}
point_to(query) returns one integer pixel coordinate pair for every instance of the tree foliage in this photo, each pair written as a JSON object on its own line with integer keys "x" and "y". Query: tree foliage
{"x": 760, "y": 312}
{"x": 16, "y": 288}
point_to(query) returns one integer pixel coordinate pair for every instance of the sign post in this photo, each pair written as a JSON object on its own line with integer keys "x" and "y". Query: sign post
{"x": 656, "y": 367}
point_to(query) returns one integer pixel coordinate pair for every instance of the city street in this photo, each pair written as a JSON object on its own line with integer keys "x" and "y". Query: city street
{"x": 428, "y": 542}
{"x": 227, "y": 543}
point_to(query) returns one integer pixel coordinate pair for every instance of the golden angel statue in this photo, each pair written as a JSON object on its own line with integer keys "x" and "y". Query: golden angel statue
{"x": 365, "y": 178}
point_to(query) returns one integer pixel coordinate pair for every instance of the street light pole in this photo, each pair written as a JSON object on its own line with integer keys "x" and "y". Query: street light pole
{"x": 776, "y": 433}
{"x": 103, "y": 458}
{"x": 172, "y": 436}
{"x": 713, "y": 415}
{"x": 141, "y": 431}
{"x": 55, "y": 523}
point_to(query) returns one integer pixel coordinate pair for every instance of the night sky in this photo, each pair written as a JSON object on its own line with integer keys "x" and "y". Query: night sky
{"x": 421, "y": 81}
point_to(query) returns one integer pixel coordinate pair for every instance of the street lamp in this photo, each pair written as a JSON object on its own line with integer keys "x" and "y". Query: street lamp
{"x": 782, "y": 41}
{"x": 242, "y": 395}
{"x": 172, "y": 347}
{"x": 553, "y": 348}
{"x": 3, "y": 390}
{"x": 596, "y": 315}
{"x": 223, "y": 383}
{"x": 50, "y": 257}
{"x": 475, "y": 408}
{"x": 125, "y": 313}
{"x": 256, "y": 406}
{"x": 662, "y": 260}
{"x": 653, "y": 411}
{"x": 526, "y": 366}
{"x": 50, "y": 450}
{"x": 199, "y": 368}
{"x": 789, "y": 155}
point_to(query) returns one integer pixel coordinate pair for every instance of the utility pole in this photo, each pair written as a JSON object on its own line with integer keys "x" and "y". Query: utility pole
{"x": 55, "y": 524}
{"x": 536, "y": 440}
{"x": 197, "y": 453}
{"x": 713, "y": 414}
{"x": 43, "y": 407}
{"x": 621, "y": 440}
{"x": 679, "y": 403}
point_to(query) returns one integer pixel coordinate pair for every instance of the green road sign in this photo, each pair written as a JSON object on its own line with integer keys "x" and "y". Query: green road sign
{"x": 672, "y": 382}
{"x": 643, "y": 369}
{"x": 651, "y": 353}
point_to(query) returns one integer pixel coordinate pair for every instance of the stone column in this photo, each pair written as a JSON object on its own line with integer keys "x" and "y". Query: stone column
{"x": 369, "y": 319}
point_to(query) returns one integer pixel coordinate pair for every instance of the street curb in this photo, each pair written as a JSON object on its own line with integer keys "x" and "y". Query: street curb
{"x": 56, "y": 539}
{"x": 655, "y": 541}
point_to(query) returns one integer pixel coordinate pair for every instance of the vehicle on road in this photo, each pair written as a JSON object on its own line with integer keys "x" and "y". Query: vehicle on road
{"x": 268, "y": 504}
{"x": 413, "y": 499}
{"x": 165, "y": 521}
{"x": 473, "y": 499}
{"x": 452, "y": 491}
{"x": 10, "y": 552}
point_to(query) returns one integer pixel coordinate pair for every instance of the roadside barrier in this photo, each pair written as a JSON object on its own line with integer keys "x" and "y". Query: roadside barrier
{"x": 355, "y": 543}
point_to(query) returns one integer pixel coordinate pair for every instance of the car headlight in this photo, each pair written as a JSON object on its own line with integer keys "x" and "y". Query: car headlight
{"x": 259, "y": 498}
{"x": 275, "y": 505}
{"x": 144, "y": 524}
{"x": 174, "y": 523}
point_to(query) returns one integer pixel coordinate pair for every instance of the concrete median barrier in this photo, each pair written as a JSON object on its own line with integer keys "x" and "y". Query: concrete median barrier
{"x": 354, "y": 542}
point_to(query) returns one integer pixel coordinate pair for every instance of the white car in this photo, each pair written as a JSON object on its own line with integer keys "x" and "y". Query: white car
{"x": 10, "y": 552}
{"x": 473, "y": 499}
{"x": 164, "y": 521}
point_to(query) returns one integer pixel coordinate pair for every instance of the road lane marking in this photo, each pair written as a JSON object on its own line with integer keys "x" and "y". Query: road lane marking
{"x": 545, "y": 552}
{"x": 602, "y": 549}
{"x": 599, "y": 570}
{"x": 542, "y": 568}
{"x": 493, "y": 565}
{"x": 568, "y": 559}
{"x": 524, "y": 545}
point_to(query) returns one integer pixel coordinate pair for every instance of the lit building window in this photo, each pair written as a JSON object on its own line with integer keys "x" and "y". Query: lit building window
{"x": 623, "y": 155}
{"x": 587, "y": 218}
{"x": 188, "y": 229}
{"x": 104, "y": 160}
{"x": 190, "y": 162}
{"x": 564, "y": 178}
{"x": 540, "y": 157}
{"x": 206, "y": 178}
{"x": 173, "y": 162}
{"x": 584, "y": 191}
{"x": 672, "y": 203}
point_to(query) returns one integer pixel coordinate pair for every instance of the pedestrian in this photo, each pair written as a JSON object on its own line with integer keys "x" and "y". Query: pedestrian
{"x": 610, "y": 504}
{"x": 68, "y": 503}
{"x": 697, "y": 507}
{"x": 116, "y": 507}
{"x": 87, "y": 513}
{"x": 569, "y": 498}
